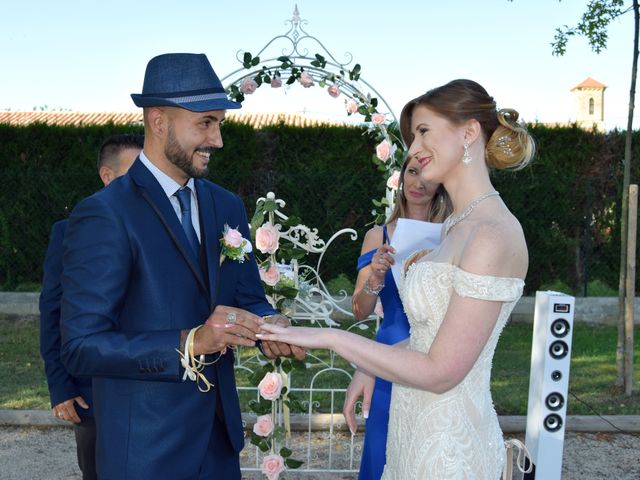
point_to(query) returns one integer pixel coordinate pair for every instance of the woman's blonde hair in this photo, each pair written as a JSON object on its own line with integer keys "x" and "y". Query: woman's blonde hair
{"x": 508, "y": 144}
{"x": 440, "y": 206}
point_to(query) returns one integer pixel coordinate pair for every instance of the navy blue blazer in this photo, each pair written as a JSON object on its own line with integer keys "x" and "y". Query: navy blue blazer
{"x": 62, "y": 386}
{"x": 130, "y": 284}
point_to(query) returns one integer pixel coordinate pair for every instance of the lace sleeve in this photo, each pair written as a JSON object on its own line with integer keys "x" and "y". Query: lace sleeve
{"x": 486, "y": 287}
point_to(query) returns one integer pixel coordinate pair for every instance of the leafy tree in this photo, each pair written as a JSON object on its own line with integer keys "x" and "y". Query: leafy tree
{"x": 593, "y": 25}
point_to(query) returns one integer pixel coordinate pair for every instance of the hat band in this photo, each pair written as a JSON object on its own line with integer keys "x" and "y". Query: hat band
{"x": 199, "y": 98}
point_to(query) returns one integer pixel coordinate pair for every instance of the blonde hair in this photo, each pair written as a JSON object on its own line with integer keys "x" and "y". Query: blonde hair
{"x": 440, "y": 206}
{"x": 508, "y": 143}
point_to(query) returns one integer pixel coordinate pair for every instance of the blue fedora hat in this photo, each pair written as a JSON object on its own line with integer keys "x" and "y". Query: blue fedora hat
{"x": 184, "y": 80}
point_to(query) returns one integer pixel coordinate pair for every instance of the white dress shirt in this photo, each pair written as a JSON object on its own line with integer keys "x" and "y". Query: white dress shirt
{"x": 170, "y": 187}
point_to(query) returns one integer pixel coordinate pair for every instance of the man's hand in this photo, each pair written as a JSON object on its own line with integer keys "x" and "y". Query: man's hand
{"x": 67, "y": 411}
{"x": 226, "y": 326}
{"x": 361, "y": 386}
{"x": 279, "y": 349}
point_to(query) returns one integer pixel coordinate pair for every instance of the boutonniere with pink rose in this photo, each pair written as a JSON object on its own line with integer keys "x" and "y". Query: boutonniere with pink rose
{"x": 233, "y": 245}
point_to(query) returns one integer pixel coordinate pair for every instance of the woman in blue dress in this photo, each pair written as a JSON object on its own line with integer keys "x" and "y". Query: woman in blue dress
{"x": 416, "y": 200}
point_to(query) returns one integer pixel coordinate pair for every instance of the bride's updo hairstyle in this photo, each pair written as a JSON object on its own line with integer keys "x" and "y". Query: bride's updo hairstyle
{"x": 508, "y": 143}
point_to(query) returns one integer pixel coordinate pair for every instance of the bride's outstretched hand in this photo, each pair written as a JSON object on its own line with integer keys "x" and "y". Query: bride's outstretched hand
{"x": 361, "y": 386}
{"x": 301, "y": 336}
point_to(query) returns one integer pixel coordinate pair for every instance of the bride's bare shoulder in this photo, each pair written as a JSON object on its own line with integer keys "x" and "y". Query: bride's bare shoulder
{"x": 496, "y": 247}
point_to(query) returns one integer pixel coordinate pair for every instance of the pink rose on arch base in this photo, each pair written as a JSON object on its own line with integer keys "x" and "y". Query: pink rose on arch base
{"x": 394, "y": 180}
{"x": 248, "y": 86}
{"x": 306, "y": 80}
{"x": 272, "y": 466}
{"x": 270, "y": 276}
{"x": 334, "y": 91}
{"x": 267, "y": 238}
{"x": 270, "y": 386}
{"x": 351, "y": 105}
{"x": 384, "y": 150}
{"x": 263, "y": 426}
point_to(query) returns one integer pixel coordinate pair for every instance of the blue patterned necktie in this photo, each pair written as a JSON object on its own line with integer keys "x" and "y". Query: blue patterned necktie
{"x": 184, "y": 197}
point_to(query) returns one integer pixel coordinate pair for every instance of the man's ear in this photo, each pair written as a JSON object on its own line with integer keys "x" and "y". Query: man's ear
{"x": 157, "y": 121}
{"x": 106, "y": 175}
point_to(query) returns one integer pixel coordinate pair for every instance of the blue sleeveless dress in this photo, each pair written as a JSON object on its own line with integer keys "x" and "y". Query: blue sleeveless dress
{"x": 393, "y": 329}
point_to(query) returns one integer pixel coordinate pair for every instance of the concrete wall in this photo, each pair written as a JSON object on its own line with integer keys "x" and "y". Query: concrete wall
{"x": 594, "y": 310}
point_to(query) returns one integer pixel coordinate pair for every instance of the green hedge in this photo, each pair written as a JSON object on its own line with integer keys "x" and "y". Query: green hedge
{"x": 567, "y": 200}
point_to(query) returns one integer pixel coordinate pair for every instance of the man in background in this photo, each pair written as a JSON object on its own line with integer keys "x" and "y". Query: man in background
{"x": 117, "y": 154}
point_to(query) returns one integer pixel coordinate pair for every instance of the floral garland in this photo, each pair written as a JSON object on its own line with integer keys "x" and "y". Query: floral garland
{"x": 279, "y": 278}
{"x": 389, "y": 151}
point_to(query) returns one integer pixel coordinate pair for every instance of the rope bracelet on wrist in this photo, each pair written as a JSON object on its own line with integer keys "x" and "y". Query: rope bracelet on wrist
{"x": 374, "y": 292}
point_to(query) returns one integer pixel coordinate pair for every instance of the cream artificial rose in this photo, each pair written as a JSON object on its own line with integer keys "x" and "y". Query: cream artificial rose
{"x": 270, "y": 276}
{"x": 378, "y": 118}
{"x": 248, "y": 86}
{"x": 272, "y": 466}
{"x": 351, "y": 105}
{"x": 334, "y": 91}
{"x": 267, "y": 238}
{"x": 394, "y": 180}
{"x": 263, "y": 426}
{"x": 306, "y": 80}
{"x": 270, "y": 386}
{"x": 233, "y": 238}
{"x": 383, "y": 150}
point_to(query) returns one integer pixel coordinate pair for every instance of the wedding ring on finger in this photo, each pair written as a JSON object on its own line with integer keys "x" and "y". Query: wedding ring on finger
{"x": 232, "y": 318}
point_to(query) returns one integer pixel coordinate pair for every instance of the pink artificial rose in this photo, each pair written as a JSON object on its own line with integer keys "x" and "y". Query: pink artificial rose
{"x": 267, "y": 238}
{"x": 394, "y": 180}
{"x": 248, "y": 86}
{"x": 378, "y": 118}
{"x": 271, "y": 276}
{"x": 233, "y": 238}
{"x": 270, "y": 386}
{"x": 383, "y": 150}
{"x": 263, "y": 426}
{"x": 276, "y": 82}
{"x": 334, "y": 91}
{"x": 351, "y": 105}
{"x": 306, "y": 80}
{"x": 272, "y": 466}
{"x": 378, "y": 309}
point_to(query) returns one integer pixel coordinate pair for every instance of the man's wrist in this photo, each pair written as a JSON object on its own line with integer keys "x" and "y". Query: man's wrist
{"x": 183, "y": 340}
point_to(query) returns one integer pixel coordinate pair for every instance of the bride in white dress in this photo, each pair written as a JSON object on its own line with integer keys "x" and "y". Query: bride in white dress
{"x": 458, "y": 297}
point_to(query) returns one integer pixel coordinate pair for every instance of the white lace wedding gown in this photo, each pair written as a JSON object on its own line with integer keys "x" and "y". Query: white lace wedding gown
{"x": 454, "y": 435}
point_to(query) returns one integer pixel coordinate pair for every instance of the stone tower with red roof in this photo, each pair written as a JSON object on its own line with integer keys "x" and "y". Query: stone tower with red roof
{"x": 590, "y": 104}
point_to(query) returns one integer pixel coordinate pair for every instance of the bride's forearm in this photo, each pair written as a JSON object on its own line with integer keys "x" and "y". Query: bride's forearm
{"x": 388, "y": 362}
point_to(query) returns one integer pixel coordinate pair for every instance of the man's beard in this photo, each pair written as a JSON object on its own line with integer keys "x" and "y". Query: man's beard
{"x": 181, "y": 159}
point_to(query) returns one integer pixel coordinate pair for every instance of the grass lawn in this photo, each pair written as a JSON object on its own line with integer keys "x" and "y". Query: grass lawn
{"x": 23, "y": 385}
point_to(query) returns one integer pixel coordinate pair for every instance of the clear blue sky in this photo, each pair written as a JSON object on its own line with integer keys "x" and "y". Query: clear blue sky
{"x": 89, "y": 56}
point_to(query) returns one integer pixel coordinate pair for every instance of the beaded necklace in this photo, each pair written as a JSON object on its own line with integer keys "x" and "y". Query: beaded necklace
{"x": 452, "y": 220}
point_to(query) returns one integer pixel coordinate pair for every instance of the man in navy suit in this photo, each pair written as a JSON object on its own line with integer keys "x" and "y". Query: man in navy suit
{"x": 143, "y": 273}
{"x": 117, "y": 153}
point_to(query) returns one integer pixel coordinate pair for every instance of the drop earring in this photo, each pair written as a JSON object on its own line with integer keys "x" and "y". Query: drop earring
{"x": 466, "y": 157}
